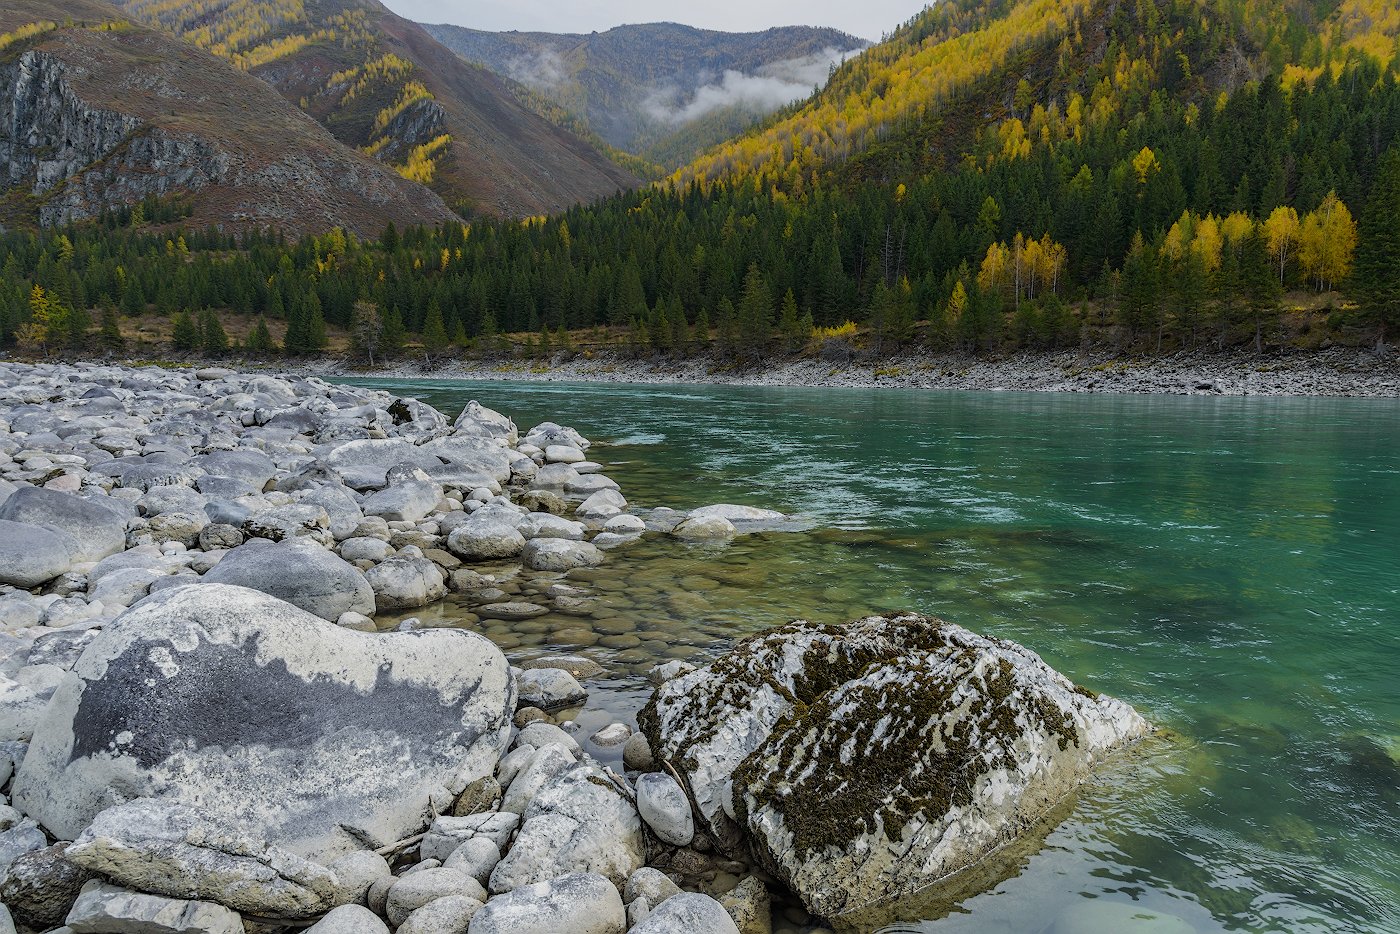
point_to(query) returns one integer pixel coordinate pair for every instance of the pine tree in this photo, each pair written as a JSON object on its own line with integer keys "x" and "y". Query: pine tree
{"x": 755, "y": 314}
{"x": 316, "y": 338}
{"x": 1261, "y": 286}
{"x": 259, "y": 339}
{"x": 185, "y": 336}
{"x": 434, "y": 333}
{"x": 790, "y": 324}
{"x": 1376, "y": 275}
{"x": 111, "y": 333}
{"x": 213, "y": 338}
{"x": 700, "y": 334}
{"x": 391, "y": 334}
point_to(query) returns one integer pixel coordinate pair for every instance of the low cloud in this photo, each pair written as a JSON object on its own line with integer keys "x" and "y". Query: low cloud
{"x": 773, "y": 86}
{"x": 543, "y": 71}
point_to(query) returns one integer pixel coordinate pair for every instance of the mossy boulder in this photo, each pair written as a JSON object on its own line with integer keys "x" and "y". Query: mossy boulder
{"x": 862, "y": 763}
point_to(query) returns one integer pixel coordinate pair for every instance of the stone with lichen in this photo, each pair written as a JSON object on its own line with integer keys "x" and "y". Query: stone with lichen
{"x": 864, "y": 762}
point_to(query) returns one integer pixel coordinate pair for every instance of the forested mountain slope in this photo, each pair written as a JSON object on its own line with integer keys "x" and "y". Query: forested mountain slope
{"x": 100, "y": 115}
{"x": 1154, "y": 176}
{"x": 660, "y": 90}
{"x": 967, "y": 68}
{"x": 381, "y": 84}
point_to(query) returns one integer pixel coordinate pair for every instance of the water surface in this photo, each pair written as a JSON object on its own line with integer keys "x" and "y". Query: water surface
{"x": 1229, "y": 566}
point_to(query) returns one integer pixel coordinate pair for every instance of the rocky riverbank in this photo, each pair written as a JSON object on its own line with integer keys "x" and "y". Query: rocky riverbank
{"x": 1334, "y": 372}
{"x": 213, "y": 716}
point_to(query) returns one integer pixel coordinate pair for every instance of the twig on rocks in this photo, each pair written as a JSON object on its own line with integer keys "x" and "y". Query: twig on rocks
{"x": 395, "y": 848}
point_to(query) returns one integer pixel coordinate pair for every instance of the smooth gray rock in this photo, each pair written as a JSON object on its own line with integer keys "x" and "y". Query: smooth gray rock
{"x": 578, "y": 822}
{"x": 20, "y": 710}
{"x": 406, "y": 583}
{"x": 171, "y": 850}
{"x": 663, "y": 805}
{"x": 546, "y": 762}
{"x": 687, "y": 913}
{"x": 414, "y": 891}
{"x": 451, "y": 914}
{"x": 737, "y": 514}
{"x": 404, "y": 502}
{"x": 601, "y": 506}
{"x": 477, "y": 420}
{"x": 487, "y": 534}
{"x": 705, "y": 528}
{"x": 349, "y": 919}
{"x": 863, "y": 724}
{"x": 242, "y": 705}
{"x": 549, "y": 689}
{"x": 636, "y": 754}
{"x": 577, "y": 903}
{"x": 557, "y": 554}
{"x": 31, "y": 555}
{"x": 97, "y": 529}
{"x": 108, "y": 909}
{"x": 303, "y": 574}
{"x": 652, "y": 884}
{"x": 17, "y": 840}
{"x": 540, "y": 735}
{"x": 476, "y": 857}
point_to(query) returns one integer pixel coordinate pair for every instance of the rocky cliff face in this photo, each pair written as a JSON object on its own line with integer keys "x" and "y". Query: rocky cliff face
{"x": 93, "y": 119}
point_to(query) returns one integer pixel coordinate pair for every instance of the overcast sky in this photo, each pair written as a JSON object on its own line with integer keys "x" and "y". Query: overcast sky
{"x": 867, "y": 18}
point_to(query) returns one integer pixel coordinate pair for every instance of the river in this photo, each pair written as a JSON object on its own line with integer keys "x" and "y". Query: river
{"x": 1229, "y": 566}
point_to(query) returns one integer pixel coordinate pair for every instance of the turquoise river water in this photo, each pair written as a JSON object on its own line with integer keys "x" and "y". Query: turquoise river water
{"x": 1229, "y": 566}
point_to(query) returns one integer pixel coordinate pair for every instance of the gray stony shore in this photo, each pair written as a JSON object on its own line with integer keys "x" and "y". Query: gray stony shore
{"x": 1333, "y": 372}
{"x": 214, "y": 719}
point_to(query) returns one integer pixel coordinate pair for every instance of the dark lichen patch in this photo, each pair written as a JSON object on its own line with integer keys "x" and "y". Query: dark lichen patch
{"x": 169, "y": 702}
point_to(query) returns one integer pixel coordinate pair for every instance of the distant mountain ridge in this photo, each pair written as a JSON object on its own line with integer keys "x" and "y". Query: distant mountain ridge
{"x": 382, "y": 85}
{"x": 98, "y": 115}
{"x": 661, "y": 89}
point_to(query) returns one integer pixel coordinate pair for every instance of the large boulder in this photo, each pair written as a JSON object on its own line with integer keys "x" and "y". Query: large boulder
{"x": 97, "y": 529}
{"x": 31, "y": 555}
{"x": 860, "y": 762}
{"x": 302, "y": 573}
{"x": 320, "y": 739}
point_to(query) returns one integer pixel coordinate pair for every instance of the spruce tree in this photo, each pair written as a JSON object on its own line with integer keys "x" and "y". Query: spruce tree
{"x": 1376, "y": 275}
{"x": 213, "y": 338}
{"x": 185, "y": 336}
{"x": 434, "y": 333}
{"x": 111, "y": 333}
{"x": 391, "y": 335}
{"x": 755, "y": 314}
{"x": 790, "y": 324}
{"x": 260, "y": 338}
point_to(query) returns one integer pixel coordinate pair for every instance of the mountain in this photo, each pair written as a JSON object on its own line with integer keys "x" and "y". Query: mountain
{"x": 661, "y": 90}
{"x": 381, "y": 84}
{"x": 99, "y": 115}
{"x": 966, "y": 69}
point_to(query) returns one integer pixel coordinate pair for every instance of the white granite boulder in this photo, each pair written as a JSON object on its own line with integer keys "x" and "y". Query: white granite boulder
{"x": 321, "y": 739}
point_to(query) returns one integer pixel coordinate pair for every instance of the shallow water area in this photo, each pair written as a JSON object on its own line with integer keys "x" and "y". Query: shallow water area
{"x": 1229, "y": 566}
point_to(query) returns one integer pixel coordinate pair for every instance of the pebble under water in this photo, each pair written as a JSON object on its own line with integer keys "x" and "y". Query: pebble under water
{"x": 1229, "y": 566}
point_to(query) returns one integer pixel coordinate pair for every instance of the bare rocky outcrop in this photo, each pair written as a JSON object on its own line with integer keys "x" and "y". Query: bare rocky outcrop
{"x": 95, "y": 119}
